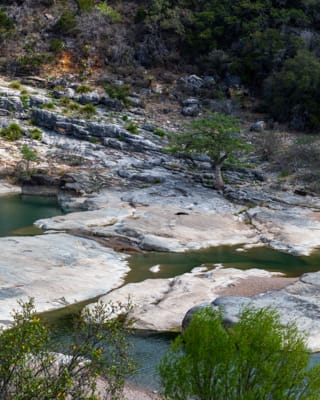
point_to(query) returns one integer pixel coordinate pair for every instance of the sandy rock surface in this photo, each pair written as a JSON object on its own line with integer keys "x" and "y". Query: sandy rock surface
{"x": 160, "y": 304}
{"x": 298, "y": 302}
{"x": 168, "y": 222}
{"x": 56, "y": 270}
{"x": 7, "y": 188}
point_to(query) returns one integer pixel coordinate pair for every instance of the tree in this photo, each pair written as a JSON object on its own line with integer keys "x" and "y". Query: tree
{"x": 28, "y": 155}
{"x": 293, "y": 93}
{"x": 29, "y": 369}
{"x": 258, "y": 358}
{"x": 217, "y": 136}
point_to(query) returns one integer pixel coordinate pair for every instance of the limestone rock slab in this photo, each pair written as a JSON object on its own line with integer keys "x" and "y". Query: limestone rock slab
{"x": 160, "y": 304}
{"x": 55, "y": 269}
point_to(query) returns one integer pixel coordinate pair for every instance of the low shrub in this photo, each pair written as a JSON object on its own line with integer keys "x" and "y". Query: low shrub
{"x": 12, "y": 132}
{"x": 132, "y": 127}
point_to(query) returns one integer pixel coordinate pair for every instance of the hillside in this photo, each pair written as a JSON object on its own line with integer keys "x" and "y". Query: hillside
{"x": 270, "y": 46}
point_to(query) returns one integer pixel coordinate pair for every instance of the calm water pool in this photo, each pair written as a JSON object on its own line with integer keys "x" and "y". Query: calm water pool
{"x": 172, "y": 264}
{"x": 18, "y": 213}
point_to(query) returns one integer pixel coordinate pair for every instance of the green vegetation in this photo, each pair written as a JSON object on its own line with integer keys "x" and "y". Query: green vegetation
{"x": 257, "y": 358}
{"x": 120, "y": 92}
{"x": 28, "y": 155}
{"x": 48, "y": 106}
{"x": 88, "y": 110}
{"x": 67, "y": 23}
{"x": 293, "y": 95}
{"x": 108, "y": 11}
{"x": 15, "y": 85}
{"x": 132, "y": 127}
{"x": 35, "y": 134}
{"x": 81, "y": 89}
{"x": 159, "y": 132}
{"x": 29, "y": 368}
{"x": 12, "y": 132}
{"x": 56, "y": 45}
{"x": 217, "y": 136}
{"x": 85, "y": 5}
{"x": 6, "y": 24}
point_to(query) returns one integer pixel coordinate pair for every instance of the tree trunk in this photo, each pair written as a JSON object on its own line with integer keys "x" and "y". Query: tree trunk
{"x": 219, "y": 183}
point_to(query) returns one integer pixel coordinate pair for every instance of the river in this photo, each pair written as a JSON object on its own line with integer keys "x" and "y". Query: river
{"x": 17, "y": 214}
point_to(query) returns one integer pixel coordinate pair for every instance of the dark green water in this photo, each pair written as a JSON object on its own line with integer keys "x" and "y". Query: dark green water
{"x": 172, "y": 264}
{"x": 18, "y": 213}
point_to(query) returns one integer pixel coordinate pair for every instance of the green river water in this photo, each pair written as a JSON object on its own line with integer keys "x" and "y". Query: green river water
{"x": 17, "y": 214}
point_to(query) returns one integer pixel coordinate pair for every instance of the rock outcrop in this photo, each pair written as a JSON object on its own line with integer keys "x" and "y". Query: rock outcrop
{"x": 297, "y": 303}
{"x": 160, "y": 304}
{"x": 56, "y": 270}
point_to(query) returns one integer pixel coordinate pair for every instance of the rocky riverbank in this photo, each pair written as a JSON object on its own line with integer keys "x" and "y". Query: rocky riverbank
{"x": 296, "y": 303}
{"x": 161, "y": 304}
{"x": 109, "y": 169}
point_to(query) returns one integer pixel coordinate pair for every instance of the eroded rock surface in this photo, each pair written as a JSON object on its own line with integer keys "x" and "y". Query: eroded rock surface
{"x": 56, "y": 270}
{"x": 298, "y": 302}
{"x": 160, "y": 304}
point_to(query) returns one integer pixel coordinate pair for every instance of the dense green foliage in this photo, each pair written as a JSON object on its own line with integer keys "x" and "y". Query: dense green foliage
{"x": 249, "y": 40}
{"x": 293, "y": 93}
{"x": 29, "y": 370}
{"x": 258, "y": 358}
{"x": 6, "y": 23}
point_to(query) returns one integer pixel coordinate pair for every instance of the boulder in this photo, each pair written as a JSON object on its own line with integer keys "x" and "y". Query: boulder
{"x": 135, "y": 101}
{"x": 258, "y": 126}
{"x": 191, "y": 107}
{"x": 190, "y": 111}
{"x": 112, "y": 104}
{"x": 38, "y": 100}
{"x": 191, "y": 84}
{"x": 220, "y": 106}
{"x": 297, "y": 303}
{"x": 12, "y": 103}
{"x": 90, "y": 98}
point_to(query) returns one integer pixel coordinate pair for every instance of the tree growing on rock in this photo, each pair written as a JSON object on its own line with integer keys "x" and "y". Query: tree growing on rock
{"x": 216, "y": 136}
{"x": 258, "y": 358}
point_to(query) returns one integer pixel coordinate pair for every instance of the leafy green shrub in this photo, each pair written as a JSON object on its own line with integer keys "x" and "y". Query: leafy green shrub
{"x": 56, "y": 45}
{"x": 35, "y": 134}
{"x": 48, "y": 106}
{"x": 159, "y": 132}
{"x": 132, "y": 127}
{"x": 31, "y": 63}
{"x": 108, "y": 11}
{"x": 120, "y": 92}
{"x": 293, "y": 93}
{"x": 6, "y": 23}
{"x": 25, "y": 98}
{"x": 28, "y": 155}
{"x": 140, "y": 16}
{"x": 15, "y": 85}
{"x": 262, "y": 52}
{"x": 85, "y": 5}
{"x": 67, "y": 23}
{"x": 12, "y": 132}
{"x": 88, "y": 110}
{"x": 81, "y": 89}
{"x": 258, "y": 358}
{"x": 31, "y": 369}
